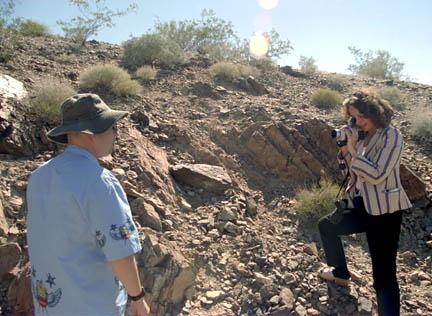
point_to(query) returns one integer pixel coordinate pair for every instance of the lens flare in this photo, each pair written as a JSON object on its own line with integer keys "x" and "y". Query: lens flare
{"x": 268, "y": 4}
{"x": 259, "y": 44}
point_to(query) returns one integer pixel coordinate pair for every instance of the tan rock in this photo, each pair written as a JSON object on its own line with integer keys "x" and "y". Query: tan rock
{"x": 10, "y": 255}
{"x": 4, "y": 226}
{"x": 20, "y": 296}
{"x": 146, "y": 213}
{"x": 412, "y": 184}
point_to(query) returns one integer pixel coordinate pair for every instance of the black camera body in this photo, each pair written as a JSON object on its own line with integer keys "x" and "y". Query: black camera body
{"x": 340, "y": 136}
{"x": 341, "y": 208}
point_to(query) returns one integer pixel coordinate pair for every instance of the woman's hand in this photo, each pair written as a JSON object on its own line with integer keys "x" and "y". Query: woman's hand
{"x": 352, "y": 139}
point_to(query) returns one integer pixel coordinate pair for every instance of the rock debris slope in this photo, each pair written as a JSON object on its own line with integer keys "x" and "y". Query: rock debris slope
{"x": 211, "y": 170}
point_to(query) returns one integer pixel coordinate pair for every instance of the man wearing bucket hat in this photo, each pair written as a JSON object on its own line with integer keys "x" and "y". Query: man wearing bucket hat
{"x": 80, "y": 232}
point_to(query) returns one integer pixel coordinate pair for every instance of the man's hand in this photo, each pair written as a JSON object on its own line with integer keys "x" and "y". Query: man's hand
{"x": 140, "y": 308}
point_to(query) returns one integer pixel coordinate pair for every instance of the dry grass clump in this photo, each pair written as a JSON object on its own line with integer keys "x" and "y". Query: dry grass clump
{"x": 314, "y": 203}
{"x": 335, "y": 82}
{"x": 46, "y": 99}
{"x": 65, "y": 59}
{"x": 421, "y": 129}
{"x": 326, "y": 99}
{"x": 109, "y": 79}
{"x": 145, "y": 74}
{"x": 225, "y": 70}
{"x": 393, "y": 96}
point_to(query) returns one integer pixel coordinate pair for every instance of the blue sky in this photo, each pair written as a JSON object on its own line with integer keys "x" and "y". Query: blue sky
{"x": 322, "y": 29}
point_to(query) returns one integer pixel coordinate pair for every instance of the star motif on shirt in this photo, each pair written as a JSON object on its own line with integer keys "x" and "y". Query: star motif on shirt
{"x": 128, "y": 220}
{"x": 50, "y": 280}
{"x": 113, "y": 227}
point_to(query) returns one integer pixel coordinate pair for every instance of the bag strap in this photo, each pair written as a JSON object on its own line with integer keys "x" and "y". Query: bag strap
{"x": 343, "y": 184}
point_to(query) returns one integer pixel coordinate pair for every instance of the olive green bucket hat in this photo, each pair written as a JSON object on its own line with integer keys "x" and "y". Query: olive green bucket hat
{"x": 85, "y": 113}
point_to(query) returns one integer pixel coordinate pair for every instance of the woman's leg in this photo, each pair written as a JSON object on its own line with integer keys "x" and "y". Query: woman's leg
{"x": 383, "y": 239}
{"x": 351, "y": 223}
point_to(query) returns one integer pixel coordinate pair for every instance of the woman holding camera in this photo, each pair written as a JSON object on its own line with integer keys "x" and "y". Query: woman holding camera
{"x": 375, "y": 197}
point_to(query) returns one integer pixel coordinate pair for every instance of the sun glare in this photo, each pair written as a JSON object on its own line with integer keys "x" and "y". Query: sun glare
{"x": 268, "y": 4}
{"x": 259, "y": 44}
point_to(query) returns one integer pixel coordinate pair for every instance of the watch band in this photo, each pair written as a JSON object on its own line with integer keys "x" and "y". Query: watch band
{"x": 139, "y": 296}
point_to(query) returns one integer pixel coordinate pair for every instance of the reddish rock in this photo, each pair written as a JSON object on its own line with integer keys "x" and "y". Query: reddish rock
{"x": 10, "y": 255}
{"x": 20, "y": 294}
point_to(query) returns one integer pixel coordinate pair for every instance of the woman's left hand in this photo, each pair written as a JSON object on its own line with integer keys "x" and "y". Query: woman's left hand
{"x": 352, "y": 138}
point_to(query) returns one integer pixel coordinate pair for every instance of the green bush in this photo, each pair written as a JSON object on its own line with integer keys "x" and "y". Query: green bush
{"x": 145, "y": 74}
{"x": 10, "y": 39}
{"x": 151, "y": 49}
{"x": 33, "y": 29}
{"x": 421, "y": 129}
{"x": 264, "y": 64}
{"x": 46, "y": 98}
{"x": 307, "y": 65}
{"x": 379, "y": 64}
{"x": 314, "y": 203}
{"x": 335, "y": 82}
{"x": 225, "y": 70}
{"x": 109, "y": 79}
{"x": 326, "y": 99}
{"x": 393, "y": 96}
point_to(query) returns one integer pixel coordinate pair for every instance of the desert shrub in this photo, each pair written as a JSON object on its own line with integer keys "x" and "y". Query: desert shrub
{"x": 109, "y": 79}
{"x": 307, "y": 65}
{"x": 65, "y": 59}
{"x": 379, "y": 64}
{"x": 10, "y": 39}
{"x": 145, "y": 74}
{"x": 393, "y": 96}
{"x": 264, "y": 64}
{"x": 47, "y": 97}
{"x": 225, "y": 70}
{"x": 151, "y": 49}
{"x": 335, "y": 82}
{"x": 314, "y": 203}
{"x": 32, "y": 28}
{"x": 421, "y": 129}
{"x": 326, "y": 99}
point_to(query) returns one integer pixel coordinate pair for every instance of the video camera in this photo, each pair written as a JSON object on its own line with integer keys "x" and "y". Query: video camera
{"x": 340, "y": 136}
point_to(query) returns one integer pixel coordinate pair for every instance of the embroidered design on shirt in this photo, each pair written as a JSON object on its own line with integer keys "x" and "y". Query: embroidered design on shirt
{"x": 44, "y": 298}
{"x": 100, "y": 238}
{"x": 123, "y": 231}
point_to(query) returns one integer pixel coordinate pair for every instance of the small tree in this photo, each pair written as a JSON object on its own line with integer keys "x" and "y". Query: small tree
{"x": 278, "y": 47}
{"x": 91, "y": 20}
{"x": 379, "y": 64}
{"x": 9, "y": 37}
{"x": 209, "y": 34}
{"x": 307, "y": 65}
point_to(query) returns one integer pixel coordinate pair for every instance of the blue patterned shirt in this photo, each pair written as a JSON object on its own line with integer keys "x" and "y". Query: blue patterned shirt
{"x": 78, "y": 220}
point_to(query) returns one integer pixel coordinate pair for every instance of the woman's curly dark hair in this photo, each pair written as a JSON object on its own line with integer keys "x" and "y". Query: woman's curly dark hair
{"x": 371, "y": 106}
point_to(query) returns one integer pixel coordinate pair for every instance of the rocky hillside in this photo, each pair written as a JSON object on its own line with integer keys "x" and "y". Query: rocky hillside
{"x": 211, "y": 170}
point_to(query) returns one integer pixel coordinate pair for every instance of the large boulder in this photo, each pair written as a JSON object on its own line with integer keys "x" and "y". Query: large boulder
{"x": 412, "y": 184}
{"x": 300, "y": 153}
{"x": 20, "y": 296}
{"x": 165, "y": 273}
{"x": 10, "y": 255}
{"x": 211, "y": 178}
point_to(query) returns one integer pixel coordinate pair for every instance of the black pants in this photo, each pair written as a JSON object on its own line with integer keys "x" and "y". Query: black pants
{"x": 382, "y": 234}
